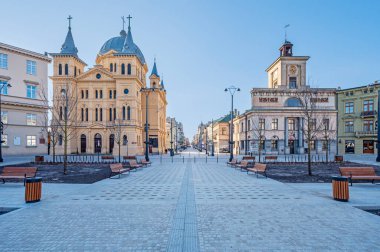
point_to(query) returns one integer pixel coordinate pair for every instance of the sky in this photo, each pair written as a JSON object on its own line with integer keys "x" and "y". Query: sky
{"x": 202, "y": 46}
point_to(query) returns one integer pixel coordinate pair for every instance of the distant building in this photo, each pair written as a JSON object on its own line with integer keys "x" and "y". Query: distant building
{"x": 357, "y": 119}
{"x": 24, "y": 105}
{"x": 175, "y": 137}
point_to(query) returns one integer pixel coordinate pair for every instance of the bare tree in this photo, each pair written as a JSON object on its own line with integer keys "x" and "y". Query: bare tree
{"x": 116, "y": 129}
{"x": 259, "y": 128}
{"x": 328, "y": 133}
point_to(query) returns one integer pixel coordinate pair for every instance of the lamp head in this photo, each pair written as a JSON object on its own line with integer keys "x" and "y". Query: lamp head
{"x": 238, "y": 89}
{"x": 225, "y": 90}
{"x": 9, "y": 85}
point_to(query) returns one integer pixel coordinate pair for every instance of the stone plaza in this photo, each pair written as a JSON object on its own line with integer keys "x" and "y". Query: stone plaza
{"x": 188, "y": 206}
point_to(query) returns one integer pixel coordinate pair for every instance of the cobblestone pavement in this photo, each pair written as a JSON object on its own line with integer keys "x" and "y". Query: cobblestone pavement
{"x": 188, "y": 207}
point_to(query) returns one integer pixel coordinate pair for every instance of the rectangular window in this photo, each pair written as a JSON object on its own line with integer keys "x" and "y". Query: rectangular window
{"x": 349, "y": 126}
{"x": 31, "y": 119}
{"x": 249, "y": 124}
{"x": 349, "y": 107}
{"x": 291, "y": 124}
{"x": 96, "y": 114}
{"x": 31, "y": 91}
{"x": 312, "y": 145}
{"x": 275, "y": 124}
{"x": 326, "y": 124}
{"x": 4, "y": 140}
{"x": 3, "y": 61}
{"x": 31, "y": 140}
{"x": 262, "y": 124}
{"x": 86, "y": 114}
{"x": 274, "y": 144}
{"x": 110, "y": 94}
{"x": 82, "y": 92}
{"x": 292, "y": 82}
{"x": 4, "y": 117}
{"x": 242, "y": 127}
{"x": 101, "y": 94}
{"x": 313, "y": 125}
{"x": 101, "y": 114}
{"x": 82, "y": 114}
{"x": 114, "y": 94}
{"x": 367, "y": 125}
{"x": 96, "y": 94}
{"x": 31, "y": 67}
{"x": 368, "y": 105}
{"x": 324, "y": 145}
{"x": 349, "y": 146}
{"x": 86, "y": 94}
{"x": 110, "y": 114}
{"x": 4, "y": 87}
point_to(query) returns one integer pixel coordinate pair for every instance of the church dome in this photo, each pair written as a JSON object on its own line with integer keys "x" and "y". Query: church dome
{"x": 123, "y": 45}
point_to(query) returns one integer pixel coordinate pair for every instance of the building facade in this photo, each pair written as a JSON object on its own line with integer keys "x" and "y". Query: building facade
{"x": 357, "y": 119}
{"x": 105, "y": 106}
{"x": 24, "y": 100}
{"x": 283, "y": 113}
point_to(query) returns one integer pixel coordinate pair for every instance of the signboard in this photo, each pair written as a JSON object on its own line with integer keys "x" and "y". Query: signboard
{"x": 320, "y": 100}
{"x": 267, "y": 99}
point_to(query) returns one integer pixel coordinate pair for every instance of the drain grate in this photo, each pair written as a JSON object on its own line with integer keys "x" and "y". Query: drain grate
{"x": 5, "y": 210}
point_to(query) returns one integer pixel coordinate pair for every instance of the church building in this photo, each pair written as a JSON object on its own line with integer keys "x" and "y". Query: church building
{"x": 98, "y": 109}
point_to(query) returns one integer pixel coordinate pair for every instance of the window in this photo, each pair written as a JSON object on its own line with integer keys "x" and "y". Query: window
{"x": 293, "y": 102}
{"x": 96, "y": 114}
{"x": 262, "y": 145}
{"x": 60, "y": 69}
{"x": 367, "y": 125}
{"x": 31, "y": 67}
{"x": 60, "y": 113}
{"x": 114, "y": 94}
{"x": 128, "y": 113}
{"x": 3, "y": 61}
{"x": 96, "y": 94}
{"x": 125, "y": 140}
{"x": 274, "y": 124}
{"x": 368, "y": 105}
{"x": 291, "y": 124}
{"x": 249, "y": 124}
{"x": 313, "y": 124}
{"x": 75, "y": 71}
{"x": 325, "y": 145}
{"x": 101, "y": 114}
{"x": 114, "y": 113}
{"x": 66, "y": 69}
{"x": 274, "y": 144}
{"x": 4, "y": 87}
{"x": 242, "y": 127}
{"x": 312, "y": 145}
{"x": 123, "y": 68}
{"x": 292, "y": 82}
{"x": 262, "y": 124}
{"x": 31, "y": 91}
{"x": 349, "y": 146}
{"x": 129, "y": 69}
{"x": 31, "y": 140}
{"x": 110, "y": 114}
{"x": 110, "y": 94}
{"x": 326, "y": 124}
{"x": 4, "y": 117}
{"x": 86, "y": 114}
{"x": 31, "y": 119}
{"x": 4, "y": 139}
{"x": 111, "y": 67}
{"x": 224, "y": 131}
{"x": 86, "y": 94}
{"x": 349, "y": 126}
{"x": 349, "y": 107}
{"x": 82, "y": 114}
{"x": 60, "y": 140}
{"x": 101, "y": 94}
{"x": 82, "y": 94}
{"x": 123, "y": 113}
{"x": 114, "y": 67}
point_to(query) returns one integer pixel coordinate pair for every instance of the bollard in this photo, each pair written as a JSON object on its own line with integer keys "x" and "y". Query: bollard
{"x": 183, "y": 159}
{"x": 217, "y": 159}
{"x": 172, "y": 159}
{"x": 194, "y": 160}
{"x": 206, "y": 159}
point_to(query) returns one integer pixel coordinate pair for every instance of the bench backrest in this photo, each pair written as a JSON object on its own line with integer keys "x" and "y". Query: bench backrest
{"x": 270, "y": 157}
{"x": 107, "y": 157}
{"x": 248, "y": 158}
{"x": 129, "y": 157}
{"x": 234, "y": 161}
{"x": 260, "y": 167}
{"x": 20, "y": 171}
{"x": 116, "y": 167}
{"x": 132, "y": 162}
{"x": 357, "y": 171}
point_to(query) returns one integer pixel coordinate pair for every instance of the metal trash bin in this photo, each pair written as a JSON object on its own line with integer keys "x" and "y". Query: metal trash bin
{"x": 39, "y": 159}
{"x": 340, "y": 188}
{"x": 33, "y": 189}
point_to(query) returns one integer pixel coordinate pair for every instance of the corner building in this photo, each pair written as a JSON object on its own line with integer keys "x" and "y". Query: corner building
{"x": 109, "y": 105}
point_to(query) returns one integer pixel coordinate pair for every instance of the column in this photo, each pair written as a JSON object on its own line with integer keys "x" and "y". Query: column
{"x": 286, "y": 151}
{"x": 300, "y": 136}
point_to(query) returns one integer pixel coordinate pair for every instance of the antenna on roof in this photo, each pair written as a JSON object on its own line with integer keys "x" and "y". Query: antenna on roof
{"x": 285, "y": 28}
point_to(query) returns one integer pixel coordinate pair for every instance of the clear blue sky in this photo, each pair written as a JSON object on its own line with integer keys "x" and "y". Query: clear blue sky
{"x": 204, "y": 46}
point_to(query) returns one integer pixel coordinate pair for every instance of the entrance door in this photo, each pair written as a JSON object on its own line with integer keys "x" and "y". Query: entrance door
{"x": 368, "y": 146}
{"x": 83, "y": 143}
{"x": 112, "y": 142}
{"x": 291, "y": 146}
{"x": 98, "y": 143}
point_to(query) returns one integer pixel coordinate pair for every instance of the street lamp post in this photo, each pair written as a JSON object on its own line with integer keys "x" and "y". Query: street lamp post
{"x": 1, "y": 121}
{"x": 65, "y": 95}
{"x": 171, "y": 137}
{"x": 378, "y": 128}
{"x": 212, "y": 137}
{"x": 206, "y": 141}
{"x": 232, "y": 90}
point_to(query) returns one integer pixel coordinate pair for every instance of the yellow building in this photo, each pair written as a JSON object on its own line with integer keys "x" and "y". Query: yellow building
{"x": 357, "y": 119}
{"x": 105, "y": 105}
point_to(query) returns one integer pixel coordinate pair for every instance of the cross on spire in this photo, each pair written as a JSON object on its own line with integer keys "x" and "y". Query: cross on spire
{"x": 285, "y": 28}
{"x": 129, "y": 21}
{"x": 122, "y": 18}
{"x": 69, "y": 18}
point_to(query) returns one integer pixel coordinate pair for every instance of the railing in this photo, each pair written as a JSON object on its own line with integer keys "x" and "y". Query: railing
{"x": 368, "y": 113}
{"x": 370, "y": 133}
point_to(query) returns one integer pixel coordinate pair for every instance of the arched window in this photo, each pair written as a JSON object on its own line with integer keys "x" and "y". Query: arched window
{"x": 123, "y": 113}
{"x": 129, "y": 69}
{"x": 60, "y": 140}
{"x": 293, "y": 102}
{"x": 60, "y": 69}
{"x": 75, "y": 71}
{"x": 123, "y": 68}
{"x": 128, "y": 113}
{"x": 114, "y": 67}
{"x": 66, "y": 69}
{"x": 125, "y": 140}
{"x": 96, "y": 114}
{"x": 111, "y": 67}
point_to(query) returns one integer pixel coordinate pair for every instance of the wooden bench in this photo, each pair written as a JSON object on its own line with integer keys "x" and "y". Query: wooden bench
{"x": 133, "y": 165}
{"x": 258, "y": 168}
{"x": 104, "y": 158}
{"x": 118, "y": 169}
{"x": 244, "y": 165}
{"x": 232, "y": 163}
{"x": 18, "y": 173}
{"x": 144, "y": 162}
{"x": 270, "y": 158}
{"x": 129, "y": 157}
{"x": 248, "y": 158}
{"x": 359, "y": 173}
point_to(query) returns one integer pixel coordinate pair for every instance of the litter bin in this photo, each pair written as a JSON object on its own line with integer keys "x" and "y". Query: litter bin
{"x": 340, "y": 188}
{"x": 338, "y": 158}
{"x": 33, "y": 188}
{"x": 38, "y": 159}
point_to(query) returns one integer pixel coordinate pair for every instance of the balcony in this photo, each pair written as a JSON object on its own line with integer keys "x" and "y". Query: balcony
{"x": 368, "y": 113}
{"x": 372, "y": 133}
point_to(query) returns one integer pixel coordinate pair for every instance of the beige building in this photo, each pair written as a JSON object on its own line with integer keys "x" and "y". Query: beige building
{"x": 24, "y": 103}
{"x": 106, "y": 104}
{"x": 357, "y": 117}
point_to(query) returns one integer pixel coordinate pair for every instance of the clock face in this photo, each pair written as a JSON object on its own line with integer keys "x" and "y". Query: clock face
{"x": 293, "y": 69}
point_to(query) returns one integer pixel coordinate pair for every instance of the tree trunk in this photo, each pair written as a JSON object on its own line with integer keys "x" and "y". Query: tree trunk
{"x": 309, "y": 157}
{"x": 119, "y": 153}
{"x": 327, "y": 151}
{"x": 53, "y": 153}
